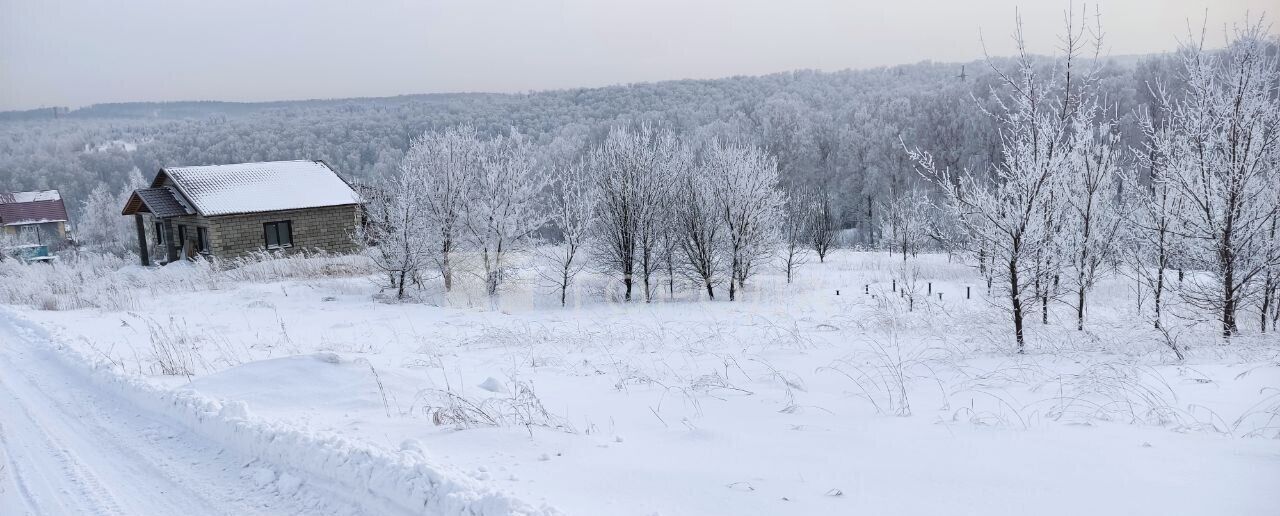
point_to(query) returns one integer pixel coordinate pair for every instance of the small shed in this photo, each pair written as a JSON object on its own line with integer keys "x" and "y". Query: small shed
{"x": 228, "y": 211}
{"x": 34, "y": 217}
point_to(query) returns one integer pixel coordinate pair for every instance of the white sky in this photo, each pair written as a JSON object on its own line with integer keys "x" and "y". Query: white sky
{"x": 79, "y": 52}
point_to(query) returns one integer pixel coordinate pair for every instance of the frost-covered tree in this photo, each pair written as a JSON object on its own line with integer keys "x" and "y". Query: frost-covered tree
{"x": 745, "y": 193}
{"x": 797, "y": 214}
{"x": 667, "y": 156}
{"x": 946, "y": 230}
{"x": 571, "y": 211}
{"x": 1150, "y": 238}
{"x": 99, "y": 230}
{"x": 101, "y": 227}
{"x": 904, "y": 222}
{"x": 1270, "y": 305}
{"x": 1222, "y": 146}
{"x": 698, "y": 231}
{"x": 823, "y": 225}
{"x": 445, "y": 164}
{"x": 398, "y": 230}
{"x": 1095, "y": 213}
{"x": 628, "y": 170}
{"x": 1013, "y": 210}
{"x": 504, "y": 205}
{"x": 678, "y": 161}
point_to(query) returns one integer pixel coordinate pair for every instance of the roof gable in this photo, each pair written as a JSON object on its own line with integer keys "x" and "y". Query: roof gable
{"x": 257, "y": 187}
{"x": 162, "y": 202}
{"x": 19, "y": 208}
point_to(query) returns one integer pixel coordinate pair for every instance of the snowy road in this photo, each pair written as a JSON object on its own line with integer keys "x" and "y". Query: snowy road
{"x": 68, "y": 447}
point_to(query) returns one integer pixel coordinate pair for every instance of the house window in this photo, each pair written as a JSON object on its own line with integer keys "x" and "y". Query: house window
{"x": 278, "y": 234}
{"x": 182, "y": 235}
{"x": 202, "y": 239}
{"x": 160, "y": 236}
{"x": 29, "y": 233}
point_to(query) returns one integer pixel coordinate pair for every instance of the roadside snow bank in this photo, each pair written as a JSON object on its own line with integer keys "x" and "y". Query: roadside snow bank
{"x": 403, "y": 482}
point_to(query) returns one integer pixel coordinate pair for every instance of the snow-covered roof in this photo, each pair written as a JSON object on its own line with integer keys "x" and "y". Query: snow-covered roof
{"x": 42, "y": 195}
{"x": 258, "y": 187}
{"x": 19, "y": 208}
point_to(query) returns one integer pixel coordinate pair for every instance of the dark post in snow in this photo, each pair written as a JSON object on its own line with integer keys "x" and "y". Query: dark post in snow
{"x": 966, "y": 293}
{"x": 170, "y": 247}
{"x": 939, "y": 296}
{"x": 142, "y": 239}
{"x": 895, "y": 284}
{"x": 866, "y": 289}
{"x": 930, "y": 288}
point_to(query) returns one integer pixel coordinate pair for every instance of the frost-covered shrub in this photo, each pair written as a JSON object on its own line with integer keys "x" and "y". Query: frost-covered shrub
{"x": 267, "y": 266}
{"x": 93, "y": 280}
{"x": 79, "y": 280}
{"x": 521, "y": 407}
{"x": 174, "y": 350}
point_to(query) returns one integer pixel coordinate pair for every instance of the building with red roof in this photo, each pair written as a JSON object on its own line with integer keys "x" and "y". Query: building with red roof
{"x": 35, "y": 217}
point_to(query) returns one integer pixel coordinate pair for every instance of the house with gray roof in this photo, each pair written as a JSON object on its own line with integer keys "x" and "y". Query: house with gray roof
{"x": 228, "y": 211}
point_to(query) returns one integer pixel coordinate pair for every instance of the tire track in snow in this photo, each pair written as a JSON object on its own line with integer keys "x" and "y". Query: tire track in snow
{"x": 29, "y": 444}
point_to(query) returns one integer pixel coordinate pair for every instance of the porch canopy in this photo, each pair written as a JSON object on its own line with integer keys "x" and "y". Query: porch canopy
{"x": 163, "y": 204}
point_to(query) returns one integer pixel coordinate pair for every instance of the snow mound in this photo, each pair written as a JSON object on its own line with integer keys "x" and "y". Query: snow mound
{"x": 295, "y": 382}
{"x": 493, "y": 385}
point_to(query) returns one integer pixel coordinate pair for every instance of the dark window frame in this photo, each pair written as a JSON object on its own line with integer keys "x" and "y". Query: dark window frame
{"x": 160, "y": 233}
{"x": 274, "y": 227}
{"x": 182, "y": 235}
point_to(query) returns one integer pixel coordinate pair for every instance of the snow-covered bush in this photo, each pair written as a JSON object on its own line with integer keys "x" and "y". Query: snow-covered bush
{"x": 265, "y": 266}
{"x": 106, "y": 281}
{"x": 520, "y": 407}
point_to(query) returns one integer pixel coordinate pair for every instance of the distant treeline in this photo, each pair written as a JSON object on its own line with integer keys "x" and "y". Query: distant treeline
{"x": 837, "y": 130}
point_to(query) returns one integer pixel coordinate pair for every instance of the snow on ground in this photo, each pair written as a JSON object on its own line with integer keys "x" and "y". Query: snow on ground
{"x": 67, "y": 446}
{"x": 795, "y": 400}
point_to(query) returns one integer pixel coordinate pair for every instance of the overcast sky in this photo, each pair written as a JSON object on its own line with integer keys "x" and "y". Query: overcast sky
{"x": 74, "y": 53}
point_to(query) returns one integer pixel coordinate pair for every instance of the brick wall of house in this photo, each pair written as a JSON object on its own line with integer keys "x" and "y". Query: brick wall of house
{"x": 191, "y": 222}
{"x": 323, "y": 229}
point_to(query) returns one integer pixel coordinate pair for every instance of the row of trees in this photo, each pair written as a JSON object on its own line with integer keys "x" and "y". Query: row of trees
{"x": 645, "y": 206}
{"x": 1069, "y": 201}
{"x": 455, "y": 191}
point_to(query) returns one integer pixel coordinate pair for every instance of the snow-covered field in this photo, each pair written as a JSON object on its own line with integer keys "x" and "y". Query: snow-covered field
{"x": 831, "y": 395}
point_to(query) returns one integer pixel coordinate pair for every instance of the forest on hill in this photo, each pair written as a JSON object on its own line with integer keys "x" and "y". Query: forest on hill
{"x": 840, "y": 131}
